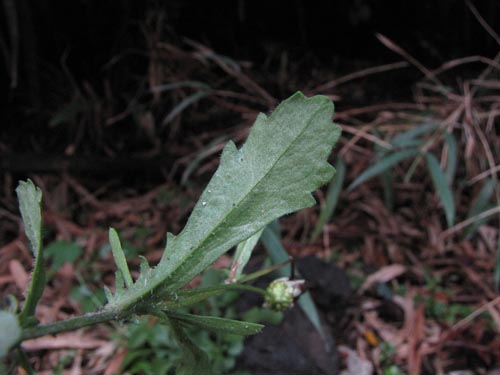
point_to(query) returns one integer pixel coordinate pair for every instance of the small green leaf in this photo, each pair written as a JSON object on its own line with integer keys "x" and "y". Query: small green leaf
{"x": 30, "y": 199}
{"x": 382, "y": 165}
{"x": 11, "y": 332}
{"x": 242, "y": 256}
{"x": 216, "y": 324}
{"x": 442, "y": 187}
{"x": 119, "y": 256}
{"x": 332, "y": 197}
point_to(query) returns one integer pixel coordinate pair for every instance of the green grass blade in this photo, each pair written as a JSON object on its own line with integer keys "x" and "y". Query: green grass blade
{"x": 30, "y": 200}
{"x": 480, "y": 204}
{"x": 184, "y": 104}
{"x": 332, "y": 198}
{"x": 216, "y": 324}
{"x": 119, "y": 256}
{"x": 273, "y": 174}
{"x": 409, "y": 137}
{"x": 442, "y": 187}
{"x": 452, "y": 157}
{"x": 382, "y": 165}
{"x": 276, "y": 251}
{"x": 387, "y": 177}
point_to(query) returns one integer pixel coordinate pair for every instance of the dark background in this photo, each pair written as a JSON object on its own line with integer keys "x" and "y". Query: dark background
{"x": 86, "y": 35}
{"x": 86, "y": 61}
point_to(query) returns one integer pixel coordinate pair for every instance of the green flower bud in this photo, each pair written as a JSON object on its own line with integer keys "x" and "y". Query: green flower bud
{"x": 281, "y": 293}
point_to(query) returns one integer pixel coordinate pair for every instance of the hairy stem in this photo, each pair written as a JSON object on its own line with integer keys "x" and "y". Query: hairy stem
{"x": 73, "y": 323}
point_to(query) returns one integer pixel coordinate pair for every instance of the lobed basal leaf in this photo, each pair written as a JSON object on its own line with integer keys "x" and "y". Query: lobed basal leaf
{"x": 273, "y": 174}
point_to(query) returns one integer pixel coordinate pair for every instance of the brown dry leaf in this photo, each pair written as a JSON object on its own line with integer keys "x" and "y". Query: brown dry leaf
{"x": 495, "y": 315}
{"x": 383, "y": 275}
{"x": 76, "y": 368}
{"x": 388, "y": 332}
{"x": 116, "y": 362}
{"x": 415, "y": 340}
{"x": 6, "y": 279}
{"x": 70, "y": 340}
{"x": 21, "y": 277}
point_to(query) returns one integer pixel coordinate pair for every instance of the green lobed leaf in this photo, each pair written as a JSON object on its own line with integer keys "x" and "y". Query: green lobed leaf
{"x": 30, "y": 199}
{"x": 10, "y": 332}
{"x": 274, "y": 173}
{"x": 442, "y": 187}
{"x": 382, "y": 165}
{"x": 216, "y": 324}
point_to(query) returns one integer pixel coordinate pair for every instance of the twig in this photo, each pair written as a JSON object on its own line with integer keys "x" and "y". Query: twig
{"x": 458, "y": 227}
{"x": 362, "y": 134}
{"x": 483, "y": 23}
{"x": 483, "y": 175}
{"x": 479, "y": 311}
{"x": 394, "y": 47}
{"x": 359, "y": 74}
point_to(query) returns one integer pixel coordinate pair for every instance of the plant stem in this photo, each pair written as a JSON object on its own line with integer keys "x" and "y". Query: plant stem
{"x": 73, "y": 323}
{"x": 25, "y": 363}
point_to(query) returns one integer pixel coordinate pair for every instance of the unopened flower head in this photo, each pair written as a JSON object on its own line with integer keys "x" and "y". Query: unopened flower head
{"x": 281, "y": 293}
